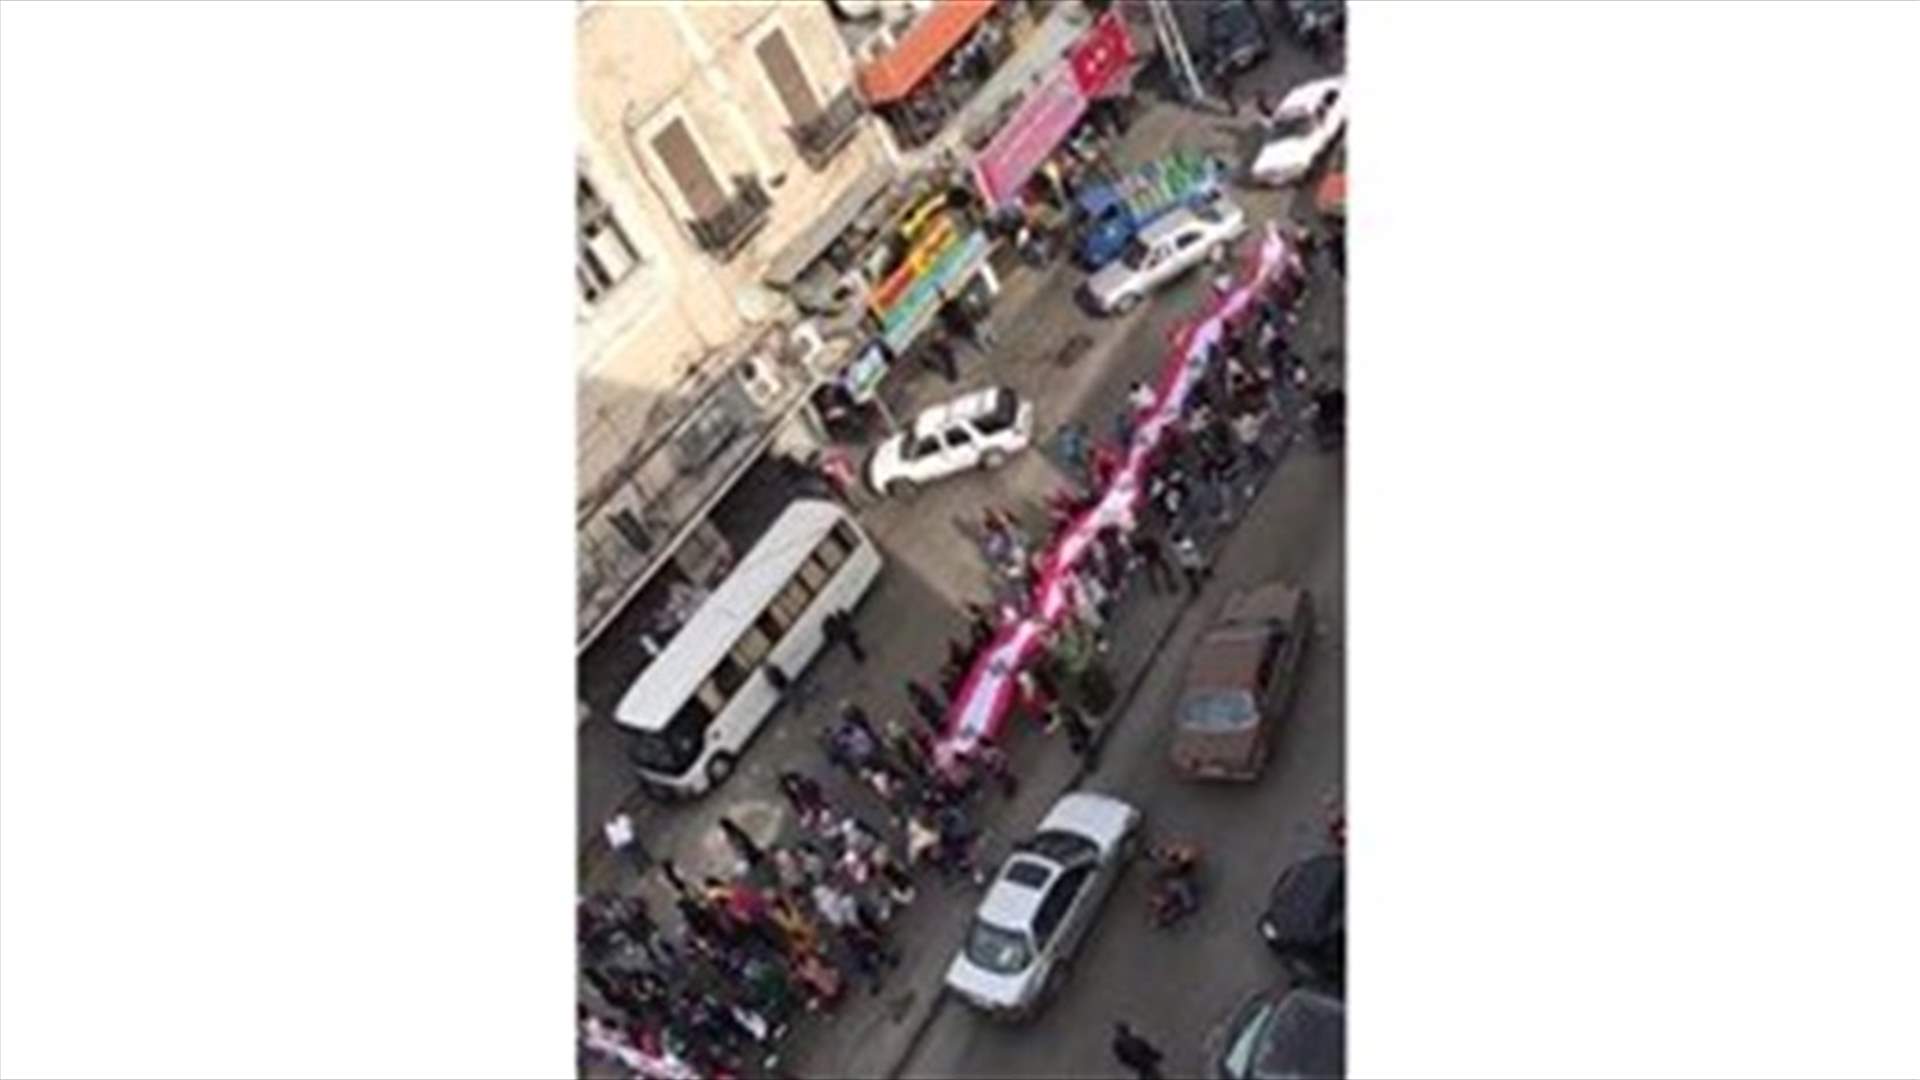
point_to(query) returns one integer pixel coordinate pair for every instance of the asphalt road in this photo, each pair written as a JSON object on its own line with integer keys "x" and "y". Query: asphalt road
{"x": 1174, "y": 986}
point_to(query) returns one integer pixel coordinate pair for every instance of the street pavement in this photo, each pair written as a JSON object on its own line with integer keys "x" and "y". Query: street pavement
{"x": 1293, "y": 529}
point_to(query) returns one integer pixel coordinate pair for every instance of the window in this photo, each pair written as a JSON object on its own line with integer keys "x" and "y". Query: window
{"x": 789, "y": 80}
{"x": 728, "y": 675}
{"x": 711, "y": 697}
{"x": 753, "y": 647}
{"x": 791, "y": 603}
{"x": 844, "y": 533}
{"x": 1006, "y": 408}
{"x": 773, "y": 623}
{"x": 814, "y": 574}
{"x": 1046, "y": 921}
{"x": 630, "y": 529}
{"x": 926, "y": 447}
{"x": 605, "y": 255}
{"x": 677, "y": 151}
{"x": 831, "y": 552}
{"x": 958, "y": 437}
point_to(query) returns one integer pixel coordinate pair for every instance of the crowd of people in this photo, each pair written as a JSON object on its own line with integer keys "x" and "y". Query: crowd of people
{"x": 799, "y": 922}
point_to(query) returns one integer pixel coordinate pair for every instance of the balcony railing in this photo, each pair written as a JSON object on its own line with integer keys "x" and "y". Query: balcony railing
{"x": 822, "y": 137}
{"x": 726, "y": 231}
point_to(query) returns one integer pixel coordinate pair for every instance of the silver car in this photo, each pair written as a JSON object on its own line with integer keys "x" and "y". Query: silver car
{"x": 1163, "y": 251}
{"x": 1041, "y": 904}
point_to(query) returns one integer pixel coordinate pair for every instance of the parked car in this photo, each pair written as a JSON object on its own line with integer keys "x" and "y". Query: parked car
{"x": 1241, "y": 679}
{"x": 1108, "y": 214}
{"x": 1042, "y": 903}
{"x": 1281, "y": 1034}
{"x": 1163, "y": 251}
{"x": 1299, "y": 130}
{"x": 1224, "y": 35}
{"x": 983, "y": 428}
{"x": 1305, "y": 923}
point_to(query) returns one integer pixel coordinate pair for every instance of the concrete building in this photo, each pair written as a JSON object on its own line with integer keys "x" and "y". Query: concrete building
{"x": 711, "y": 137}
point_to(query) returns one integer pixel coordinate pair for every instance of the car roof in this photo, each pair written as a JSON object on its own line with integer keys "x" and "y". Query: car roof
{"x": 1307, "y": 898}
{"x": 1167, "y": 226}
{"x": 1227, "y": 657}
{"x": 1306, "y": 1037}
{"x": 937, "y": 418}
{"x": 1011, "y": 904}
{"x": 1304, "y": 97}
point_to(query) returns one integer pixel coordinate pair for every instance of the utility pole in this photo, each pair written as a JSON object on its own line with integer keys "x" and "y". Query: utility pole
{"x": 1173, "y": 46}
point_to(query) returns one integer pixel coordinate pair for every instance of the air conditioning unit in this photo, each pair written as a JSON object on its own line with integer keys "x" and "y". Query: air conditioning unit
{"x": 806, "y": 345}
{"x": 761, "y": 382}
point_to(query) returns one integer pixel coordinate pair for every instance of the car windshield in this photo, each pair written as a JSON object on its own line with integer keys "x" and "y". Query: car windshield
{"x": 672, "y": 751}
{"x": 1136, "y": 255}
{"x": 1247, "y": 1040}
{"x": 1000, "y": 417}
{"x": 1217, "y": 710}
{"x": 998, "y": 949}
{"x": 1290, "y": 127}
{"x": 1064, "y": 848}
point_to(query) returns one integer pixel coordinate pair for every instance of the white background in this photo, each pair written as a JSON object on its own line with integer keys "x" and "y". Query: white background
{"x": 286, "y": 450}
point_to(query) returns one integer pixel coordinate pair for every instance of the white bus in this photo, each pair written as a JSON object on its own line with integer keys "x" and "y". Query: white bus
{"x": 693, "y": 709}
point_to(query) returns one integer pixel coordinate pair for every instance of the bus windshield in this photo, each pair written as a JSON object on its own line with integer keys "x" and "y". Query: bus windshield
{"x": 673, "y": 749}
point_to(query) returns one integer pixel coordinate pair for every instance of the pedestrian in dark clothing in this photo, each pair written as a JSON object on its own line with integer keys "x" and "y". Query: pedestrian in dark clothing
{"x": 777, "y": 679}
{"x": 940, "y": 358}
{"x": 926, "y": 705}
{"x": 1136, "y": 1053}
{"x": 851, "y": 713}
{"x": 1227, "y": 78}
{"x": 1193, "y": 562}
{"x": 743, "y": 845}
{"x": 838, "y": 627}
{"x": 1154, "y": 560}
{"x": 979, "y": 627}
{"x": 804, "y": 792}
{"x": 672, "y": 874}
{"x": 951, "y": 676}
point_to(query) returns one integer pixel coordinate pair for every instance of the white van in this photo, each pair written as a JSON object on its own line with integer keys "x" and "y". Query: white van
{"x": 695, "y": 707}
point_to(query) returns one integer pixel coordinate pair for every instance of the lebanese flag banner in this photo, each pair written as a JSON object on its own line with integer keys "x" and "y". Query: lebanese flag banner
{"x": 985, "y": 698}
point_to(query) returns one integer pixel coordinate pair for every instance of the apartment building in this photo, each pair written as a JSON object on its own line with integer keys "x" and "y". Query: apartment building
{"x": 711, "y": 137}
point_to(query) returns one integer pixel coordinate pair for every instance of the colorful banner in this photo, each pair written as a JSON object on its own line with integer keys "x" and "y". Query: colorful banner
{"x": 986, "y": 695}
{"x": 1103, "y": 55}
{"x": 899, "y": 322}
{"x": 1042, "y": 120}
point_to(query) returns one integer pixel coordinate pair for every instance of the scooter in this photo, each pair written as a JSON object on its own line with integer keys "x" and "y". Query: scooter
{"x": 1175, "y": 892}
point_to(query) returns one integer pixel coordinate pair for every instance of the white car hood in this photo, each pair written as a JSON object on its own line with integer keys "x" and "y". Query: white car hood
{"x": 1110, "y": 281}
{"x": 886, "y": 463}
{"x": 1285, "y": 156}
{"x": 1002, "y": 991}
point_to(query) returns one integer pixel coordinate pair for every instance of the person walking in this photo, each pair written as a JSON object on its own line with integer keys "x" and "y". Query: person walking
{"x": 838, "y": 628}
{"x": 1140, "y": 397}
{"x": 1136, "y": 1053}
{"x": 625, "y": 843}
{"x": 804, "y": 792}
{"x": 979, "y": 626}
{"x": 1193, "y": 562}
{"x": 1154, "y": 560}
{"x": 927, "y": 706}
{"x": 940, "y": 358}
{"x": 743, "y": 845}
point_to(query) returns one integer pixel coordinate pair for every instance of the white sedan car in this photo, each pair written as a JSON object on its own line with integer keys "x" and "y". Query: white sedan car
{"x": 985, "y": 427}
{"x": 1041, "y": 904}
{"x": 1300, "y": 129}
{"x": 1163, "y": 251}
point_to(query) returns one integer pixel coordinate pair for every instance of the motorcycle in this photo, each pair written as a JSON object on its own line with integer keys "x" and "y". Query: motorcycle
{"x": 1175, "y": 892}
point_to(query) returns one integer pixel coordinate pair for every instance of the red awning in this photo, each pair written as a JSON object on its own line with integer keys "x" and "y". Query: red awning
{"x": 928, "y": 41}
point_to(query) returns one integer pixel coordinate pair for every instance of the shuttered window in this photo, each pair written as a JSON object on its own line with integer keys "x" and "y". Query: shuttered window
{"x": 783, "y": 68}
{"x": 605, "y": 254}
{"x": 691, "y": 173}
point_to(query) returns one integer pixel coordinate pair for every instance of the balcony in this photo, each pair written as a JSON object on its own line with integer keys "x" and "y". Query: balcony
{"x": 822, "y": 137}
{"x": 724, "y": 232}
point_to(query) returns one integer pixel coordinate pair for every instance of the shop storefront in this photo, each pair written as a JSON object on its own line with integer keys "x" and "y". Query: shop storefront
{"x": 1029, "y": 170}
{"x": 944, "y": 57}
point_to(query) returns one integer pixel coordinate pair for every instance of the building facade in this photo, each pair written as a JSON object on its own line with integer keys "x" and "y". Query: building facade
{"x": 711, "y": 135}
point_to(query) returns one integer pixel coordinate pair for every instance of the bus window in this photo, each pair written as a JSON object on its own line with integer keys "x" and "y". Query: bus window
{"x": 791, "y": 602}
{"x": 673, "y": 750}
{"x": 728, "y": 675}
{"x": 831, "y": 552}
{"x": 710, "y": 696}
{"x": 753, "y": 647}
{"x": 814, "y": 574}
{"x": 844, "y": 533}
